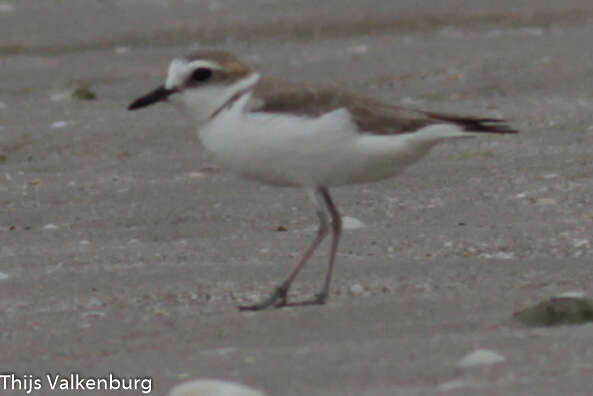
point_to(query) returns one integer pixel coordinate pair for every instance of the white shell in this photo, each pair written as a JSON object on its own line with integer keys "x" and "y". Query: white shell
{"x": 481, "y": 357}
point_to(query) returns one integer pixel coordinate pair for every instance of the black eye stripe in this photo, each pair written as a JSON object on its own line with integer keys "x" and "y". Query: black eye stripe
{"x": 201, "y": 74}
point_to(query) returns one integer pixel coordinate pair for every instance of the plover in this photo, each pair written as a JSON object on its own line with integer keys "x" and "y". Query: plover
{"x": 298, "y": 135}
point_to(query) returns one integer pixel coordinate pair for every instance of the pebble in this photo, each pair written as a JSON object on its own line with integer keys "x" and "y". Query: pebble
{"x": 356, "y": 290}
{"x": 4, "y": 276}
{"x": 569, "y": 308}
{"x": 59, "y": 96}
{"x": 456, "y": 384}
{"x": 58, "y": 124}
{"x": 211, "y": 387}
{"x": 50, "y": 227}
{"x": 436, "y": 203}
{"x": 196, "y": 175}
{"x": 480, "y": 357}
{"x": 581, "y": 243}
{"x": 93, "y": 314}
{"x": 94, "y": 302}
{"x": 498, "y": 256}
{"x": 351, "y": 223}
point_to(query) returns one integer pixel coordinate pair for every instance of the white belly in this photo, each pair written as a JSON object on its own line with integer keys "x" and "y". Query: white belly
{"x": 295, "y": 151}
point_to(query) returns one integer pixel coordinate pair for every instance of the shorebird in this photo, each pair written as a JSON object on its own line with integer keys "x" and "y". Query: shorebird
{"x": 299, "y": 135}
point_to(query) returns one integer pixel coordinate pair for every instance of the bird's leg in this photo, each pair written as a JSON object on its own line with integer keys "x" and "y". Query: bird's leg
{"x": 278, "y": 297}
{"x": 321, "y": 297}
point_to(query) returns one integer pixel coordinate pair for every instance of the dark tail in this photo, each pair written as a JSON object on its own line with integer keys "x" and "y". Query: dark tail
{"x": 475, "y": 124}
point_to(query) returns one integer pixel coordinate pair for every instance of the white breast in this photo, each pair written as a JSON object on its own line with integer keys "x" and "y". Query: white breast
{"x": 287, "y": 150}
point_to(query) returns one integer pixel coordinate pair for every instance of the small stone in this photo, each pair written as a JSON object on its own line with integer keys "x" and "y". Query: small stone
{"x": 160, "y": 311}
{"x": 436, "y": 203}
{"x": 456, "y": 384}
{"x": 480, "y": 357}
{"x": 59, "y": 96}
{"x": 58, "y": 124}
{"x": 351, "y": 223}
{"x": 581, "y": 243}
{"x": 50, "y": 227}
{"x": 93, "y": 314}
{"x": 498, "y": 255}
{"x": 211, "y": 387}
{"x": 196, "y": 175}
{"x": 356, "y": 290}
{"x": 281, "y": 228}
{"x": 94, "y": 302}
{"x": 84, "y": 242}
{"x": 4, "y": 276}
{"x": 569, "y": 308}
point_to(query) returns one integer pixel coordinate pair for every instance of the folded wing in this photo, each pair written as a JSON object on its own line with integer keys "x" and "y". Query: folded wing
{"x": 370, "y": 115}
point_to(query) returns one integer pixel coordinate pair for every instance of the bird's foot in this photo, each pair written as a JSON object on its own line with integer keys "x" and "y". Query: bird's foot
{"x": 276, "y": 299}
{"x": 319, "y": 299}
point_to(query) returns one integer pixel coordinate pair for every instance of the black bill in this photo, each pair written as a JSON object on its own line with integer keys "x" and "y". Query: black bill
{"x": 158, "y": 95}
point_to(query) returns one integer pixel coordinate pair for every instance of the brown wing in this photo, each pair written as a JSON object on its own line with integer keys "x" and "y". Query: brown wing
{"x": 370, "y": 115}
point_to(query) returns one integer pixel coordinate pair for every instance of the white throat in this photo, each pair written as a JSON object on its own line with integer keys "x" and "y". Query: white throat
{"x": 200, "y": 103}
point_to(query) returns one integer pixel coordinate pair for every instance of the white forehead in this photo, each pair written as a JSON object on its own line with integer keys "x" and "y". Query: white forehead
{"x": 180, "y": 69}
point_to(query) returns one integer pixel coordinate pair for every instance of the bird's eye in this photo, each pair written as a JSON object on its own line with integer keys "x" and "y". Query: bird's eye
{"x": 201, "y": 74}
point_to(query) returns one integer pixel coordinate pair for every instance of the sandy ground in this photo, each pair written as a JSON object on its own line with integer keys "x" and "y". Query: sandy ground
{"x": 123, "y": 250}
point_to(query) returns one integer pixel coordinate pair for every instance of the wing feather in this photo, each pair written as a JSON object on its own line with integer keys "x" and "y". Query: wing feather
{"x": 370, "y": 115}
